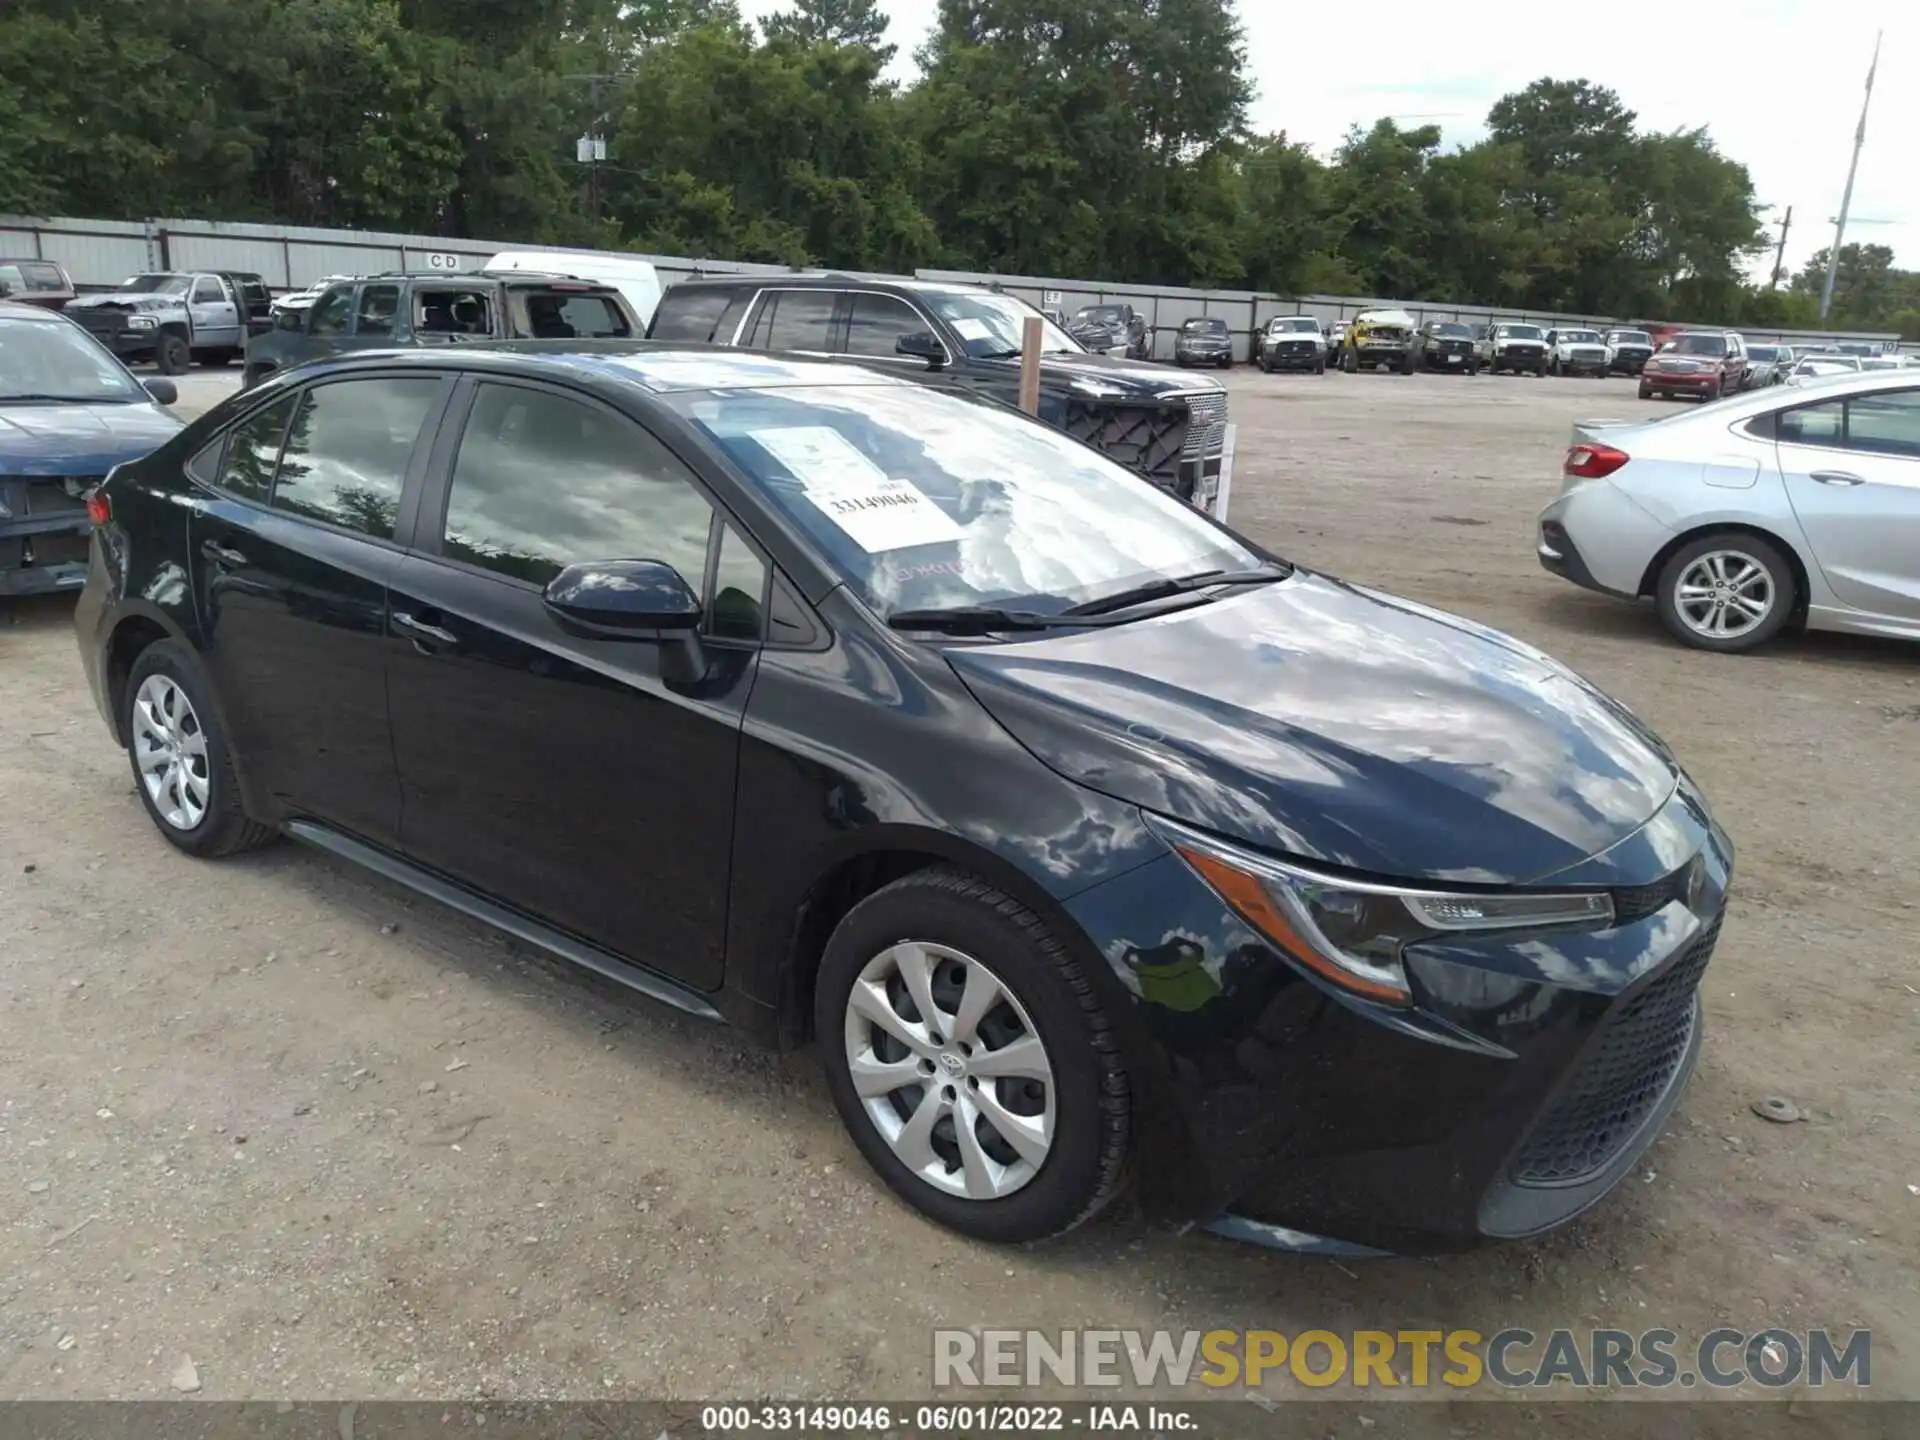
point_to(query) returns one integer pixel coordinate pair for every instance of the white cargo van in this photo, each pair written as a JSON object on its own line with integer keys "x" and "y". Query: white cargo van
{"x": 635, "y": 279}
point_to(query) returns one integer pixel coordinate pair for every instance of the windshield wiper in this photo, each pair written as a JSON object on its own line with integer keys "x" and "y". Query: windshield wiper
{"x": 1013, "y": 354}
{"x": 987, "y": 619}
{"x": 1161, "y": 589}
{"x": 36, "y": 398}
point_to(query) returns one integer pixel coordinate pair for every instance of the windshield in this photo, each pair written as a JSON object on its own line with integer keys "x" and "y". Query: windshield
{"x": 1458, "y": 332}
{"x": 1763, "y": 352}
{"x": 1697, "y": 345}
{"x": 1519, "y": 332}
{"x": 1299, "y": 323}
{"x": 1103, "y": 314}
{"x": 1829, "y": 365}
{"x": 1629, "y": 337}
{"x": 156, "y": 285}
{"x": 55, "y": 360}
{"x": 924, "y": 500}
{"x": 1580, "y": 337}
{"x": 989, "y": 326}
{"x": 1204, "y": 326}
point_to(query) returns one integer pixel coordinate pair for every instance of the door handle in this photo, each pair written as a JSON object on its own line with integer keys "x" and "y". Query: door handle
{"x": 426, "y": 638}
{"x": 221, "y": 555}
{"x": 1839, "y": 477}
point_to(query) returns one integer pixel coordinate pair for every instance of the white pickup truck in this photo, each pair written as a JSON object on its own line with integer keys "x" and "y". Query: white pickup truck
{"x": 176, "y": 317}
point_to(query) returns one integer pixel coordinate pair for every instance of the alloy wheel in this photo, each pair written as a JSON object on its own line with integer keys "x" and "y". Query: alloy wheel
{"x": 170, "y": 749}
{"x": 1724, "y": 594}
{"x": 950, "y": 1069}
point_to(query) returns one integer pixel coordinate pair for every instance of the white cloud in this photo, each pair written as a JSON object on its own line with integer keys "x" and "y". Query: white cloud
{"x": 1777, "y": 83}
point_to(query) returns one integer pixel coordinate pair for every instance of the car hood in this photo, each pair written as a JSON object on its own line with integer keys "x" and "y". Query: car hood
{"x": 1323, "y": 721}
{"x": 1520, "y": 340}
{"x": 1106, "y": 377}
{"x": 125, "y": 300}
{"x": 79, "y": 439}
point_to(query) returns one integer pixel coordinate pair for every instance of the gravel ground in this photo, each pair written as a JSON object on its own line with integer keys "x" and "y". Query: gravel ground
{"x": 326, "y": 1139}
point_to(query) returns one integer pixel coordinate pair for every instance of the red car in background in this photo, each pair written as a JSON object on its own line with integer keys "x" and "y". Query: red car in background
{"x": 35, "y": 282}
{"x": 1707, "y": 363}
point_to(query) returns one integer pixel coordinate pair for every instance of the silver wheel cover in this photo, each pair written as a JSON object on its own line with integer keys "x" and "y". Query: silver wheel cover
{"x": 1724, "y": 594}
{"x": 170, "y": 750}
{"x": 950, "y": 1070}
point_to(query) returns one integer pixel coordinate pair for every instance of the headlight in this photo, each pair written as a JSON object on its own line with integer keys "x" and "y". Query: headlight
{"x": 141, "y": 322}
{"x": 1353, "y": 932}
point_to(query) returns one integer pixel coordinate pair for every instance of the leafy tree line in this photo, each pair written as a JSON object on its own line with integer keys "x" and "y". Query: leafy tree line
{"x": 1099, "y": 138}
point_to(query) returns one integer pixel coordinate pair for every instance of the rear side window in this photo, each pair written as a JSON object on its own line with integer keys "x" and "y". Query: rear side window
{"x": 794, "y": 320}
{"x": 346, "y": 454}
{"x": 453, "y": 311}
{"x": 570, "y": 315}
{"x": 253, "y": 450}
{"x": 543, "y": 481}
{"x": 692, "y": 312}
{"x": 1885, "y": 424}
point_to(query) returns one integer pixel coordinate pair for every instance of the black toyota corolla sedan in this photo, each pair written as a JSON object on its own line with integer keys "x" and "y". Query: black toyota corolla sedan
{"x": 1095, "y": 846}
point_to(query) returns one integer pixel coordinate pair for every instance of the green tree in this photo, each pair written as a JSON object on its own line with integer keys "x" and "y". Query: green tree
{"x": 835, "y": 22}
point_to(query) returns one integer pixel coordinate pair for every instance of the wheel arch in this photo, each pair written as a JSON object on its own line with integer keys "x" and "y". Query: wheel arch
{"x": 132, "y": 635}
{"x": 1802, "y": 577}
{"x": 874, "y": 859}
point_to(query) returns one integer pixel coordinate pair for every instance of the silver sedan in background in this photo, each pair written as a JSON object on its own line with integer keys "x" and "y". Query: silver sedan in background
{"x": 1790, "y": 505}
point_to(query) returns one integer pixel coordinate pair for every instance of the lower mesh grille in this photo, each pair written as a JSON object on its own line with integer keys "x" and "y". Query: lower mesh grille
{"x": 1206, "y": 424}
{"x": 1644, "y": 1043}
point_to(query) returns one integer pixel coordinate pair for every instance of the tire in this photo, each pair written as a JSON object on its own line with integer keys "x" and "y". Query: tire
{"x": 179, "y": 754}
{"x": 1320, "y": 366}
{"x": 1711, "y": 393}
{"x": 172, "y": 355}
{"x": 1695, "y": 563}
{"x": 1347, "y": 364}
{"x": 1646, "y": 391}
{"x": 1260, "y": 359}
{"x": 974, "y": 927}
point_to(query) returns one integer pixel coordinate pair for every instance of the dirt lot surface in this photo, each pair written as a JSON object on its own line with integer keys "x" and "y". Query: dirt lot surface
{"x": 330, "y": 1140}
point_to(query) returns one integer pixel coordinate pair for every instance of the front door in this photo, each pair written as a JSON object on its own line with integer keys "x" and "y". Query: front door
{"x": 1852, "y": 471}
{"x": 292, "y": 554}
{"x": 564, "y": 774}
{"x": 216, "y": 319}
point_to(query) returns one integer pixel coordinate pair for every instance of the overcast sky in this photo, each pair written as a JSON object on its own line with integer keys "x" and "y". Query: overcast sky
{"x": 1777, "y": 83}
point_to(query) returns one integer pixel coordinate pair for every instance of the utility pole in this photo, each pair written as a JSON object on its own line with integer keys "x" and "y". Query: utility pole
{"x": 1780, "y": 251}
{"x": 1846, "y": 195}
{"x": 590, "y": 149}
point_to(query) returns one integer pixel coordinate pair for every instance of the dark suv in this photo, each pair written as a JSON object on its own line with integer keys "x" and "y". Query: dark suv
{"x": 1168, "y": 427}
{"x": 380, "y": 312}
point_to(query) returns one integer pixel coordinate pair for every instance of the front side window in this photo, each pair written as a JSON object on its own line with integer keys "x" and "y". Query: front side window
{"x": 207, "y": 291}
{"x": 691, "y": 312}
{"x": 923, "y": 499}
{"x": 379, "y": 306}
{"x": 347, "y": 451}
{"x": 254, "y": 449}
{"x": 331, "y": 312}
{"x": 542, "y": 482}
{"x": 875, "y": 324}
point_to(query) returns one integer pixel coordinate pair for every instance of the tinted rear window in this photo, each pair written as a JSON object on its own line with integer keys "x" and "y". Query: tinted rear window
{"x": 690, "y": 313}
{"x": 572, "y": 315}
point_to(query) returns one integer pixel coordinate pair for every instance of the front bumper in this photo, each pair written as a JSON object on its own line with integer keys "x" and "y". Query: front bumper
{"x": 1295, "y": 355}
{"x": 1529, "y": 1077}
{"x": 1584, "y": 364}
{"x": 1690, "y": 381}
{"x": 1629, "y": 362}
{"x": 1461, "y": 358}
{"x": 1187, "y": 355}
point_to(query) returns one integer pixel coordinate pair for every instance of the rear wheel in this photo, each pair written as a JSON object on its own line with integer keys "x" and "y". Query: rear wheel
{"x": 970, "y": 1059}
{"x": 181, "y": 764}
{"x": 1646, "y": 391}
{"x": 1729, "y": 592}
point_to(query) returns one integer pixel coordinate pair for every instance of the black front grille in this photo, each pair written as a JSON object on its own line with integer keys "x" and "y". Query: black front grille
{"x": 1295, "y": 349}
{"x": 1622, "y": 1079}
{"x": 1636, "y": 902}
{"x": 1145, "y": 439}
{"x": 99, "y": 321}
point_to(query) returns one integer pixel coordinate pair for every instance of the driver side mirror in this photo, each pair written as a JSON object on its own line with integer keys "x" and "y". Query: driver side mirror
{"x": 639, "y": 600}
{"x": 163, "y": 391}
{"x": 923, "y": 345}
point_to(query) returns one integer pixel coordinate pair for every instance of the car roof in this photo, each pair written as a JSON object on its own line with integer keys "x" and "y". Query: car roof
{"x": 829, "y": 280}
{"x": 640, "y": 364}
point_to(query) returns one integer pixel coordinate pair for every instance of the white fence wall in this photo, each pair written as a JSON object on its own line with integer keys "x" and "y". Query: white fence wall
{"x": 101, "y": 253}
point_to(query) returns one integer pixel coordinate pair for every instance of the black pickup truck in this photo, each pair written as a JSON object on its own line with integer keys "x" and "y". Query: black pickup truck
{"x": 174, "y": 318}
{"x": 401, "y": 308}
{"x": 1162, "y": 424}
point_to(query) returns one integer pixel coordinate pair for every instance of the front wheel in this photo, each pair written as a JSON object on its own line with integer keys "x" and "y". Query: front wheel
{"x": 172, "y": 355}
{"x": 1727, "y": 592}
{"x": 970, "y": 1059}
{"x": 1320, "y": 366}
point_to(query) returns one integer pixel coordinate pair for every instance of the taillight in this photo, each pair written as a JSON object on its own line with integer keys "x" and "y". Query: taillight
{"x": 99, "y": 509}
{"x": 1590, "y": 461}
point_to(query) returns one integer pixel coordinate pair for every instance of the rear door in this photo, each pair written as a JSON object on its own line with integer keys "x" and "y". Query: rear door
{"x": 567, "y": 775}
{"x": 1852, "y": 471}
{"x": 293, "y": 546}
{"x": 804, "y": 321}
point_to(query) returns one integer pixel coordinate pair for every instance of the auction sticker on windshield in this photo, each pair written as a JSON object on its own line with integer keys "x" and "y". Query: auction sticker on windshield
{"x": 877, "y": 513}
{"x": 968, "y": 328}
